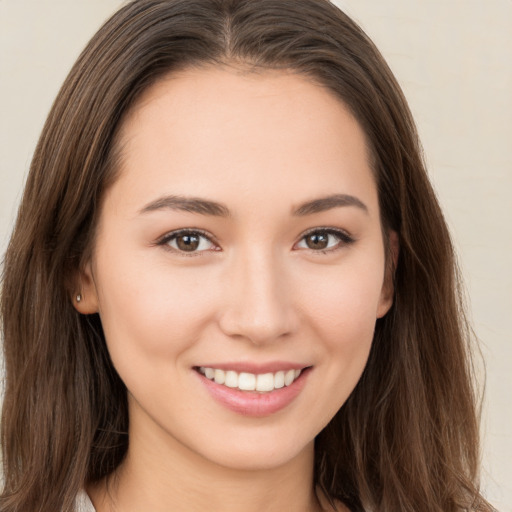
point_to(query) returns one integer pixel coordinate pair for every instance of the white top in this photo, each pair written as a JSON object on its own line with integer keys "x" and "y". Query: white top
{"x": 83, "y": 503}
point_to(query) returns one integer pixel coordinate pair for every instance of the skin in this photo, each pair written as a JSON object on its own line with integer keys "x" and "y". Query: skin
{"x": 261, "y": 145}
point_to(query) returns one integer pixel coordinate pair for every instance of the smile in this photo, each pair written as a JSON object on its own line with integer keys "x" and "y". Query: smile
{"x": 263, "y": 383}
{"x": 258, "y": 393}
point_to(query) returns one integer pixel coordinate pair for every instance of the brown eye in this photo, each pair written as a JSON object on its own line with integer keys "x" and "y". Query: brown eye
{"x": 188, "y": 242}
{"x": 317, "y": 241}
{"x": 325, "y": 240}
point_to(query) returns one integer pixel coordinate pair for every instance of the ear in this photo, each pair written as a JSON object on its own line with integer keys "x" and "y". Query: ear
{"x": 388, "y": 287}
{"x": 85, "y": 295}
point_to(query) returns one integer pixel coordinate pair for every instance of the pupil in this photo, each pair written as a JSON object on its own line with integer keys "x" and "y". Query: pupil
{"x": 188, "y": 242}
{"x": 317, "y": 241}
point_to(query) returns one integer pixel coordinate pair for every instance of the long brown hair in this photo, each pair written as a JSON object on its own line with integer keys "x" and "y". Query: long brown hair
{"x": 406, "y": 439}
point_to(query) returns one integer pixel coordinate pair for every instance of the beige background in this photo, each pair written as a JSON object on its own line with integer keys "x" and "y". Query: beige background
{"x": 454, "y": 61}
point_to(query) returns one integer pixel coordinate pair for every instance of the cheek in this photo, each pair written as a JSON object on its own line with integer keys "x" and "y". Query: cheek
{"x": 342, "y": 314}
{"x": 344, "y": 302}
{"x": 347, "y": 334}
{"x": 150, "y": 311}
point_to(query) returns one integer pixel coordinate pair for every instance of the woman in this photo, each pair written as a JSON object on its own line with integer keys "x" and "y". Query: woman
{"x": 230, "y": 284}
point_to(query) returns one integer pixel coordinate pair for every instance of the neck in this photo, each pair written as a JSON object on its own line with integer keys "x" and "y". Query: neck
{"x": 164, "y": 475}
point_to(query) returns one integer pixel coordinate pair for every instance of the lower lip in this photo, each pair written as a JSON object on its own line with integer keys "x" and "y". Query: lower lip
{"x": 253, "y": 403}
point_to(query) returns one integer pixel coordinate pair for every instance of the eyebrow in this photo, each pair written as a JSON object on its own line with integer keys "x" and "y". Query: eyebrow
{"x": 187, "y": 204}
{"x": 206, "y": 207}
{"x": 328, "y": 203}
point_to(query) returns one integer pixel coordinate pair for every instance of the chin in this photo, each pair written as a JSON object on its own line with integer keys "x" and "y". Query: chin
{"x": 258, "y": 452}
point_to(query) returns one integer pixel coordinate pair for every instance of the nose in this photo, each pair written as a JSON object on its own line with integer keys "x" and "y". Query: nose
{"x": 257, "y": 303}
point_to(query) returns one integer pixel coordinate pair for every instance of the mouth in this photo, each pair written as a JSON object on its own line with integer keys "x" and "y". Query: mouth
{"x": 245, "y": 381}
{"x": 257, "y": 394}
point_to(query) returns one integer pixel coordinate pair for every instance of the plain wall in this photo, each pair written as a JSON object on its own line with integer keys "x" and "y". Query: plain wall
{"x": 453, "y": 59}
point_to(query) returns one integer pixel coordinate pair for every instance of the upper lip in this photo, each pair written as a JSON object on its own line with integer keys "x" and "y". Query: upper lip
{"x": 256, "y": 368}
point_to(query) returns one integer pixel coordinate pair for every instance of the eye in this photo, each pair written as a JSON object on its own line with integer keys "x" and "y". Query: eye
{"x": 188, "y": 241}
{"x": 324, "y": 240}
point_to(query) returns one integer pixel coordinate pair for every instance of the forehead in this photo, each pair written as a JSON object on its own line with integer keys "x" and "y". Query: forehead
{"x": 226, "y": 130}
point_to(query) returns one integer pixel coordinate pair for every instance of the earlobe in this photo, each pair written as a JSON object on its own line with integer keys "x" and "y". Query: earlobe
{"x": 85, "y": 297}
{"x": 388, "y": 287}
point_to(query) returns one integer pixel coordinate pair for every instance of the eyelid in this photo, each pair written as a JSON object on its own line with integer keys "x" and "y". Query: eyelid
{"x": 343, "y": 236}
{"x": 165, "y": 239}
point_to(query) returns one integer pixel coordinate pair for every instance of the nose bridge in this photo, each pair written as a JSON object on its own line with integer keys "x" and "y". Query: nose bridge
{"x": 258, "y": 305}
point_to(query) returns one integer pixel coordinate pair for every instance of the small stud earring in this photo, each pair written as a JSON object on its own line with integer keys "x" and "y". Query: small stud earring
{"x": 79, "y": 298}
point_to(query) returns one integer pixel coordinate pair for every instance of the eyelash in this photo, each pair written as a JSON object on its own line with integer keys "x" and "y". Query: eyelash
{"x": 344, "y": 239}
{"x": 173, "y": 235}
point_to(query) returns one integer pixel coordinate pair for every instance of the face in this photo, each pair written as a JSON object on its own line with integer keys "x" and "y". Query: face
{"x": 239, "y": 266}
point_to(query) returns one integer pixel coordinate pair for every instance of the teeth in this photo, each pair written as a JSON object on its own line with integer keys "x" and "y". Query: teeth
{"x": 219, "y": 376}
{"x": 247, "y": 381}
{"x": 289, "y": 377}
{"x": 279, "y": 380}
{"x": 264, "y": 382}
{"x": 231, "y": 380}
